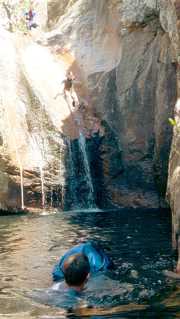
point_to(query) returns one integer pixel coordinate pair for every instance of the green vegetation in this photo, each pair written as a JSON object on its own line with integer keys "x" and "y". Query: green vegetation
{"x": 175, "y": 124}
{"x": 172, "y": 122}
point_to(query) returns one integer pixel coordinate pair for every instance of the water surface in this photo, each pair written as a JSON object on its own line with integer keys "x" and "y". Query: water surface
{"x": 139, "y": 242}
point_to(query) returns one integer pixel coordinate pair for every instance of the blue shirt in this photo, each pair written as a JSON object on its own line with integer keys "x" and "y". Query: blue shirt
{"x": 98, "y": 261}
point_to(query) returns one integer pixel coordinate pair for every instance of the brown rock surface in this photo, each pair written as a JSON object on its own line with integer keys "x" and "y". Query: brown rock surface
{"x": 124, "y": 55}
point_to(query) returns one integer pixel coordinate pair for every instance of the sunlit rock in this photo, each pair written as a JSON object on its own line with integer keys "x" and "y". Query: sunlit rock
{"x": 124, "y": 57}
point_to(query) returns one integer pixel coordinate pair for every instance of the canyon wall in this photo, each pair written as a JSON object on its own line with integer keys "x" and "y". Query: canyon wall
{"x": 124, "y": 55}
{"x": 133, "y": 93}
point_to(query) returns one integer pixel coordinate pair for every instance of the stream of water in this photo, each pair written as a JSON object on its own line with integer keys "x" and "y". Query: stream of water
{"x": 72, "y": 175}
{"x": 82, "y": 145}
{"x": 139, "y": 242}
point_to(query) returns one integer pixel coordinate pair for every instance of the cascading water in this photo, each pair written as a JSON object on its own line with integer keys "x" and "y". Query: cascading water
{"x": 80, "y": 190}
{"x": 61, "y": 171}
{"x": 22, "y": 187}
{"x": 42, "y": 187}
{"x": 80, "y": 185}
{"x": 80, "y": 181}
{"x": 90, "y": 188}
{"x": 38, "y": 159}
{"x": 72, "y": 177}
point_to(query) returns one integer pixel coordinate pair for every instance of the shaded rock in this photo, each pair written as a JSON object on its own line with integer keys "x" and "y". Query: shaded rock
{"x": 173, "y": 189}
{"x": 131, "y": 102}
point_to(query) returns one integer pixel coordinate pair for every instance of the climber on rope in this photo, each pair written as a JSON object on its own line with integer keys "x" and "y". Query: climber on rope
{"x": 68, "y": 85}
{"x": 30, "y": 19}
{"x": 79, "y": 263}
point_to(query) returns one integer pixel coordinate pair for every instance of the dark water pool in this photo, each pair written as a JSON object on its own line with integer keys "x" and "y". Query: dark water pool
{"x": 139, "y": 242}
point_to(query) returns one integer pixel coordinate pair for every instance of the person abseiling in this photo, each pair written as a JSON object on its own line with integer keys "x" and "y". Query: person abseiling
{"x": 30, "y": 19}
{"x": 68, "y": 82}
{"x": 68, "y": 85}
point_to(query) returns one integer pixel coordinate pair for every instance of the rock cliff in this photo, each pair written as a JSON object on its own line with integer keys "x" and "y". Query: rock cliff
{"x": 124, "y": 55}
{"x": 133, "y": 93}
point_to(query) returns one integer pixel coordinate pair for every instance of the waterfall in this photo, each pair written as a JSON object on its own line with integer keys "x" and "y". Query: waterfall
{"x": 90, "y": 188}
{"x": 22, "y": 187}
{"x": 73, "y": 177}
{"x": 38, "y": 157}
{"x": 61, "y": 173}
{"x": 80, "y": 194}
{"x": 42, "y": 187}
{"x": 79, "y": 178}
{"x": 51, "y": 197}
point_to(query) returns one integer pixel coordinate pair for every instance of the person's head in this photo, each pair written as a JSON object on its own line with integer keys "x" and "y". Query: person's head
{"x": 76, "y": 271}
{"x": 70, "y": 75}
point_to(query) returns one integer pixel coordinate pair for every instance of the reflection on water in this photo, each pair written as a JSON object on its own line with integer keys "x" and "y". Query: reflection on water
{"x": 138, "y": 242}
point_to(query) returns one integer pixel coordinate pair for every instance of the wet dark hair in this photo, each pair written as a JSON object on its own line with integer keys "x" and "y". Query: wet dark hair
{"x": 76, "y": 269}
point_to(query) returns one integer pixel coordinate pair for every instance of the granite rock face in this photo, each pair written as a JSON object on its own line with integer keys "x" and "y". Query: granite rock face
{"x": 124, "y": 55}
{"x": 136, "y": 99}
{"x": 31, "y": 140}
